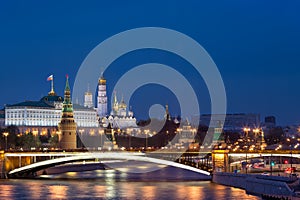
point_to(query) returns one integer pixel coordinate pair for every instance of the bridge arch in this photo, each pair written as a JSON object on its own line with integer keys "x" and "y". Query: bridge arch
{"x": 32, "y": 168}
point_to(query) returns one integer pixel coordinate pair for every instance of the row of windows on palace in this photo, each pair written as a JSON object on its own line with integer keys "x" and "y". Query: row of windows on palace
{"x": 39, "y": 117}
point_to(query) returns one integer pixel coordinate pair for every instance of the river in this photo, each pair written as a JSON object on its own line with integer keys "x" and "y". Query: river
{"x": 109, "y": 184}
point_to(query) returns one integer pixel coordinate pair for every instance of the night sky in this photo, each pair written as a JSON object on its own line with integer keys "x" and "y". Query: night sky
{"x": 255, "y": 45}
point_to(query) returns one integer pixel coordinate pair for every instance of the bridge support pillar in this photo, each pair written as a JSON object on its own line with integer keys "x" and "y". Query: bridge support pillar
{"x": 220, "y": 160}
{"x": 2, "y": 165}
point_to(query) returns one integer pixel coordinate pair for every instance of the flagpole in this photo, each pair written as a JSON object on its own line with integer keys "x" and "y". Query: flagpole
{"x": 52, "y": 87}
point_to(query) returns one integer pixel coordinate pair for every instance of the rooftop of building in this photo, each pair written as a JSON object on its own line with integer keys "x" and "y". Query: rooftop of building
{"x": 40, "y": 104}
{"x": 80, "y": 107}
{"x": 51, "y": 98}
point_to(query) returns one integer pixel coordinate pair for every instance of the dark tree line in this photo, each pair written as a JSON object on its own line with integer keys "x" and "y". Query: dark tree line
{"x": 24, "y": 141}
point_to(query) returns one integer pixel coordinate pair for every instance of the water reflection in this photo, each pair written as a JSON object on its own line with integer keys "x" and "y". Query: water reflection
{"x": 128, "y": 190}
{"x": 181, "y": 192}
{"x": 196, "y": 191}
{"x": 58, "y": 191}
{"x": 149, "y": 192}
{"x": 7, "y": 190}
{"x": 99, "y": 191}
{"x": 33, "y": 191}
{"x": 111, "y": 184}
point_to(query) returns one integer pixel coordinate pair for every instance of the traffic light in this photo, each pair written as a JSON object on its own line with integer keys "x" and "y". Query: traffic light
{"x": 272, "y": 163}
{"x": 286, "y": 162}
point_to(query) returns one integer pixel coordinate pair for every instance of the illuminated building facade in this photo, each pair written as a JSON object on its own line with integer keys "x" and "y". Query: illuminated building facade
{"x": 44, "y": 115}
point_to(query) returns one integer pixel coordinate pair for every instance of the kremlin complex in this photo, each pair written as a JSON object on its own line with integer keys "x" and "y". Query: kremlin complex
{"x": 54, "y": 114}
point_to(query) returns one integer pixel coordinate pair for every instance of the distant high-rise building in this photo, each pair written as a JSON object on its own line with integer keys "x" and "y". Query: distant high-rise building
{"x": 232, "y": 121}
{"x": 217, "y": 134}
{"x": 270, "y": 121}
{"x": 102, "y": 98}
{"x": 67, "y": 125}
{"x": 88, "y": 99}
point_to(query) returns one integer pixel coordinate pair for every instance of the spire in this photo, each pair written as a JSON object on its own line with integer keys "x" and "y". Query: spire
{"x": 67, "y": 88}
{"x": 115, "y": 97}
{"x": 115, "y": 104}
{"x": 88, "y": 98}
{"x": 122, "y": 100}
{"x": 167, "y": 114}
{"x": 88, "y": 92}
{"x": 67, "y": 104}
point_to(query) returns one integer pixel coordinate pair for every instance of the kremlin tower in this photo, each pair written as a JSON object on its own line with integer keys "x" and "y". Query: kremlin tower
{"x": 102, "y": 98}
{"x": 88, "y": 99}
{"x": 67, "y": 125}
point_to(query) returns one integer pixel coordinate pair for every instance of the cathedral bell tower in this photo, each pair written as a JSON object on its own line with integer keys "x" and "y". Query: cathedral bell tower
{"x": 67, "y": 125}
{"x": 102, "y": 98}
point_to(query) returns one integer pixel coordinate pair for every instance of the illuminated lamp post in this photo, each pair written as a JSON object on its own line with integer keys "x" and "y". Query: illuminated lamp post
{"x": 289, "y": 140}
{"x": 246, "y": 131}
{"x": 35, "y": 133}
{"x": 256, "y": 132}
{"x": 101, "y": 132}
{"x": 146, "y": 133}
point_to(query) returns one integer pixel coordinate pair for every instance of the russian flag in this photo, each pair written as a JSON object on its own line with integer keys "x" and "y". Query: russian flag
{"x": 50, "y": 78}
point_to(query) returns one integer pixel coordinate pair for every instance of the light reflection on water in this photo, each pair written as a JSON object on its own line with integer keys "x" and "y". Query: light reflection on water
{"x": 111, "y": 185}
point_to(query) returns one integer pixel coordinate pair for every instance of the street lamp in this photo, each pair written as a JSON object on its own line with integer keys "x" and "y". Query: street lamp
{"x": 101, "y": 132}
{"x": 146, "y": 133}
{"x": 246, "y": 130}
{"x": 246, "y": 160}
{"x": 289, "y": 140}
{"x": 5, "y": 135}
{"x": 35, "y": 133}
{"x": 256, "y": 131}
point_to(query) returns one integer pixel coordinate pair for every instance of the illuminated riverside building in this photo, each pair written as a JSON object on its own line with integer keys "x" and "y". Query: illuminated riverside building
{"x": 44, "y": 115}
{"x": 186, "y": 134}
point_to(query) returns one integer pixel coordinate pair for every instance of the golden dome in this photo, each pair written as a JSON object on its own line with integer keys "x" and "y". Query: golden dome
{"x": 122, "y": 104}
{"x": 102, "y": 81}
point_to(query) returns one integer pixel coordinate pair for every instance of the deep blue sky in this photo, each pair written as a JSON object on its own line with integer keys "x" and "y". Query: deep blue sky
{"x": 255, "y": 44}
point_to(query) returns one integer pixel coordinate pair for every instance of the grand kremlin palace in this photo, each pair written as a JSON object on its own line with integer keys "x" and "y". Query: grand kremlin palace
{"x": 44, "y": 115}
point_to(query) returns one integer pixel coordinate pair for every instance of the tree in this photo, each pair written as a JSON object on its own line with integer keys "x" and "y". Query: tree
{"x": 27, "y": 141}
{"x": 12, "y": 131}
{"x": 53, "y": 141}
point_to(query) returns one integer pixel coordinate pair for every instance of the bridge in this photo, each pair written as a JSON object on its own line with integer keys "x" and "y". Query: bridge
{"x": 120, "y": 161}
{"x": 30, "y": 164}
{"x": 255, "y": 161}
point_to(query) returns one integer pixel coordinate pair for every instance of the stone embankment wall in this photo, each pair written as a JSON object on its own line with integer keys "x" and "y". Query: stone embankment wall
{"x": 255, "y": 184}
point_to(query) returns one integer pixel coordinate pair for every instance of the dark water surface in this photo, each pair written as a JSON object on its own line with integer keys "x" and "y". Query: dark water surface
{"x": 111, "y": 185}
